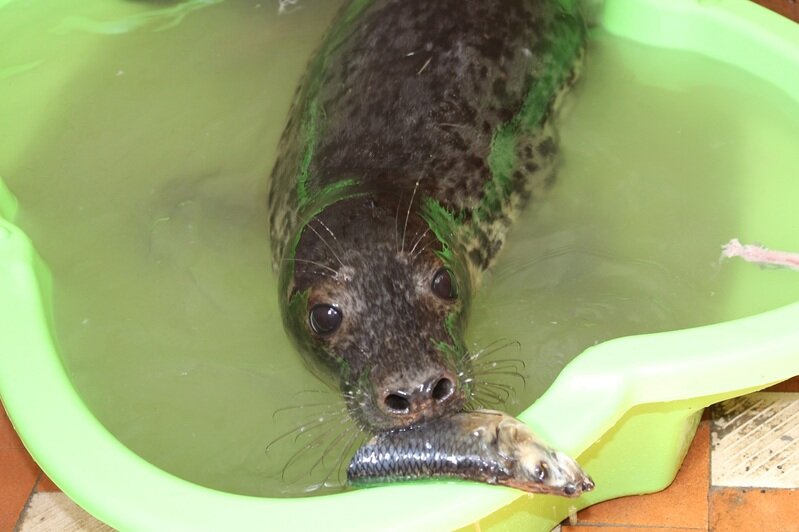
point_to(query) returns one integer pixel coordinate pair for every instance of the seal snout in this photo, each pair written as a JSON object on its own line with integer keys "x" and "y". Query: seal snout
{"x": 411, "y": 402}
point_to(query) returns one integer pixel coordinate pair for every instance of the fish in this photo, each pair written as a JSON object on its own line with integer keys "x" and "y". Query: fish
{"x": 486, "y": 446}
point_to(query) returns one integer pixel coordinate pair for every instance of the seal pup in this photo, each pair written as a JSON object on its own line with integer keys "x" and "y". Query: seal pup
{"x": 417, "y": 134}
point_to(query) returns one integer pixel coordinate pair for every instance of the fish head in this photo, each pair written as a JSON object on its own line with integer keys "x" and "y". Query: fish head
{"x": 534, "y": 466}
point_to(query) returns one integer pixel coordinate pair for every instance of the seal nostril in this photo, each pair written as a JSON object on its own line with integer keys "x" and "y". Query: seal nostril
{"x": 443, "y": 389}
{"x": 397, "y": 404}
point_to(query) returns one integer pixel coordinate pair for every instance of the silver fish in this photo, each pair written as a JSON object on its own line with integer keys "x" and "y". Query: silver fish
{"x": 482, "y": 445}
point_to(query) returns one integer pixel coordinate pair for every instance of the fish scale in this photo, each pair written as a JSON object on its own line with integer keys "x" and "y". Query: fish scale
{"x": 483, "y": 445}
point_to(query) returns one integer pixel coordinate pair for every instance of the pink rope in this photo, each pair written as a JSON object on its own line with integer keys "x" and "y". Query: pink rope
{"x": 760, "y": 255}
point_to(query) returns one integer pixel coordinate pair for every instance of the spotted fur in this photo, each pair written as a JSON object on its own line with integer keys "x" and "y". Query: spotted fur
{"x": 419, "y": 131}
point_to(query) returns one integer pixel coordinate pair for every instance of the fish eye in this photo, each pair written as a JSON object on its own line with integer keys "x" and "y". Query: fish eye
{"x": 541, "y": 472}
{"x": 444, "y": 285}
{"x": 324, "y": 319}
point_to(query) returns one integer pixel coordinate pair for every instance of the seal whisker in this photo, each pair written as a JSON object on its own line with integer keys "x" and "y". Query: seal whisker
{"x": 491, "y": 344}
{"x": 498, "y": 385}
{"x": 344, "y": 452}
{"x": 306, "y": 427}
{"x": 425, "y": 65}
{"x": 408, "y": 213}
{"x": 321, "y": 274}
{"x": 490, "y": 364}
{"x": 486, "y": 401}
{"x": 487, "y": 392}
{"x": 499, "y": 366}
{"x": 330, "y": 232}
{"x": 482, "y": 351}
{"x": 508, "y": 373}
{"x": 493, "y": 362}
{"x": 396, "y": 223}
{"x": 489, "y": 397}
{"x": 493, "y": 348}
{"x": 327, "y": 245}
{"x": 339, "y": 437}
{"x": 415, "y": 237}
{"x": 330, "y": 410}
{"x": 499, "y": 374}
{"x": 344, "y": 394}
{"x": 505, "y": 392}
{"x": 471, "y": 404}
{"x": 419, "y": 240}
{"x": 313, "y": 262}
{"x": 322, "y": 420}
{"x": 361, "y": 433}
{"x": 316, "y": 442}
{"x": 326, "y": 412}
{"x": 421, "y": 249}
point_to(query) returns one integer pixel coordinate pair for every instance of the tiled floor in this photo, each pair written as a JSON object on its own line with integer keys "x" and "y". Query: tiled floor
{"x": 741, "y": 474}
{"x": 786, "y": 8}
{"x": 29, "y": 501}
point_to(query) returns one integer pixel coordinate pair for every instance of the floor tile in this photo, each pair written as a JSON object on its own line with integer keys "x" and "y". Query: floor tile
{"x": 18, "y": 473}
{"x": 8, "y": 438}
{"x": 683, "y": 505}
{"x": 739, "y": 509}
{"x": 755, "y": 441}
{"x": 791, "y": 385}
{"x": 46, "y": 485}
{"x": 786, "y": 8}
{"x": 54, "y": 511}
{"x": 603, "y": 528}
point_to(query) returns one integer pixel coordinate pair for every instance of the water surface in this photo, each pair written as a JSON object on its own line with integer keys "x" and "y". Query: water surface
{"x": 144, "y": 190}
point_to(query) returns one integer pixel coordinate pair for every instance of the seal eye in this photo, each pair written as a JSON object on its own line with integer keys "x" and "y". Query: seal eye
{"x": 324, "y": 319}
{"x": 444, "y": 285}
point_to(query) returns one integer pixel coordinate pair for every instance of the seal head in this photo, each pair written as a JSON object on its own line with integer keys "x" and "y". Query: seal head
{"x": 374, "y": 295}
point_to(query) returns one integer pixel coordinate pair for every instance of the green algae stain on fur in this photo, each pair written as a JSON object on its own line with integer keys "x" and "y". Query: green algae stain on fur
{"x": 502, "y": 163}
{"x": 417, "y": 133}
{"x": 309, "y": 132}
{"x": 313, "y": 119}
{"x": 503, "y": 160}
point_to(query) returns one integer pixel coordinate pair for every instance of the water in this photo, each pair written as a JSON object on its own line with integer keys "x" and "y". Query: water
{"x": 144, "y": 190}
{"x": 659, "y": 153}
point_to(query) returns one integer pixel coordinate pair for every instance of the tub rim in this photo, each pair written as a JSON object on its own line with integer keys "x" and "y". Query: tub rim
{"x": 80, "y": 454}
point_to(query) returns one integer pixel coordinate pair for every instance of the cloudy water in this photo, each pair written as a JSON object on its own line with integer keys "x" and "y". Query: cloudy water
{"x": 144, "y": 191}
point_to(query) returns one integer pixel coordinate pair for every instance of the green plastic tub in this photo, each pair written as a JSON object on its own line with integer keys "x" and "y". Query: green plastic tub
{"x": 628, "y": 408}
